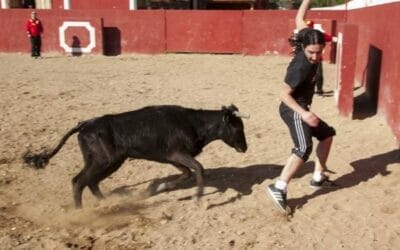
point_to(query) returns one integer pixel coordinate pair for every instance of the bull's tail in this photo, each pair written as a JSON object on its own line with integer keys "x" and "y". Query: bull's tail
{"x": 42, "y": 159}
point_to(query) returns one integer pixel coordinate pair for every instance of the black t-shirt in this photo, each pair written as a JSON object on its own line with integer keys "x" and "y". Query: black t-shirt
{"x": 300, "y": 76}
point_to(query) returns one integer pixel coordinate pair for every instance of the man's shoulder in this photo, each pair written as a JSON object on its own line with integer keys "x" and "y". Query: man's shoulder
{"x": 299, "y": 61}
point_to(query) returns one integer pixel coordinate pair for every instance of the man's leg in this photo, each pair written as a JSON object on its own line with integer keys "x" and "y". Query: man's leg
{"x": 323, "y": 149}
{"x": 301, "y": 134}
{"x": 39, "y": 46}
{"x": 277, "y": 191}
{"x": 36, "y": 46}
{"x": 319, "y": 179}
{"x": 292, "y": 165}
{"x": 32, "y": 46}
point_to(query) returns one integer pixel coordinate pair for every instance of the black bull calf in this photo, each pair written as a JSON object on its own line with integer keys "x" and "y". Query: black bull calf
{"x": 167, "y": 134}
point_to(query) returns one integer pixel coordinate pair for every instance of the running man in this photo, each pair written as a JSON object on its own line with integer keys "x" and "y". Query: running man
{"x": 296, "y": 96}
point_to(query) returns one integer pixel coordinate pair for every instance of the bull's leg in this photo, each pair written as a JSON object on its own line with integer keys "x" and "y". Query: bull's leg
{"x": 94, "y": 188}
{"x": 100, "y": 174}
{"x": 189, "y": 162}
{"x": 98, "y": 161}
{"x": 172, "y": 184}
{"x": 79, "y": 182}
{"x": 91, "y": 176}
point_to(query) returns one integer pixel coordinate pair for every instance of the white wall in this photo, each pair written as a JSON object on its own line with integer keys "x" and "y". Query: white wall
{"x": 357, "y": 4}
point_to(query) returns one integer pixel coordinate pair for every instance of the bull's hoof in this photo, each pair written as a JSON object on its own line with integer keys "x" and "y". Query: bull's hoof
{"x": 162, "y": 187}
{"x": 155, "y": 188}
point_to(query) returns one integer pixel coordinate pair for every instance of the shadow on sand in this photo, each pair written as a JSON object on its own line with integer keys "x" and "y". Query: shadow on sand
{"x": 240, "y": 179}
{"x": 364, "y": 170}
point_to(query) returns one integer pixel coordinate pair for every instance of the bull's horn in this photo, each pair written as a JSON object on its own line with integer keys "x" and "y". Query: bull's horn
{"x": 241, "y": 115}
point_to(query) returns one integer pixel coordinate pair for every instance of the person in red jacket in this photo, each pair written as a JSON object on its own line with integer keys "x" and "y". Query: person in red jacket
{"x": 34, "y": 29}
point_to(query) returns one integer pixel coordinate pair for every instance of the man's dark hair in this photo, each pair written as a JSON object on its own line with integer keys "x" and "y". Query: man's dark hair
{"x": 306, "y": 37}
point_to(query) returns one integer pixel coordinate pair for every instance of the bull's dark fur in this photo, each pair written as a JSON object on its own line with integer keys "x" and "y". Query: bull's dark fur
{"x": 168, "y": 134}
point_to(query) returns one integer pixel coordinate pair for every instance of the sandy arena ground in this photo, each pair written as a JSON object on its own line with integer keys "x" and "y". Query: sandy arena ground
{"x": 42, "y": 99}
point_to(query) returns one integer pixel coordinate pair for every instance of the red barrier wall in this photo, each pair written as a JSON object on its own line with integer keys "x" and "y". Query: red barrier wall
{"x": 346, "y": 61}
{"x": 86, "y": 35}
{"x": 157, "y": 31}
{"x": 124, "y": 31}
{"x": 266, "y": 32}
{"x": 378, "y": 31}
{"x": 100, "y": 4}
{"x": 14, "y": 38}
{"x": 204, "y": 31}
{"x": 57, "y": 4}
{"x": 138, "y": 31}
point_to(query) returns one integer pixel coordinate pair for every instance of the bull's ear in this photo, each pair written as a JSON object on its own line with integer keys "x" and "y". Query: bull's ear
{"x": 226, "y": 116}
{"x": 232, "y": 108}
{"x": 229, "y": 112}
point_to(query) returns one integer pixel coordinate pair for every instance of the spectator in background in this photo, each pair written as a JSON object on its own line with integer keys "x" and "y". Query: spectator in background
{"x": 34, "y": 29}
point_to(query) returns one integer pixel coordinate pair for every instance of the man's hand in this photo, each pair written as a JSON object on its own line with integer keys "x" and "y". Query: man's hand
{"x": 310, "y": 118}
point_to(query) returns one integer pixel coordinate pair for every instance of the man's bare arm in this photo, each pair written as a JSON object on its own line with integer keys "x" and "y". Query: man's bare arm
{"x": 301, "y": 14}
